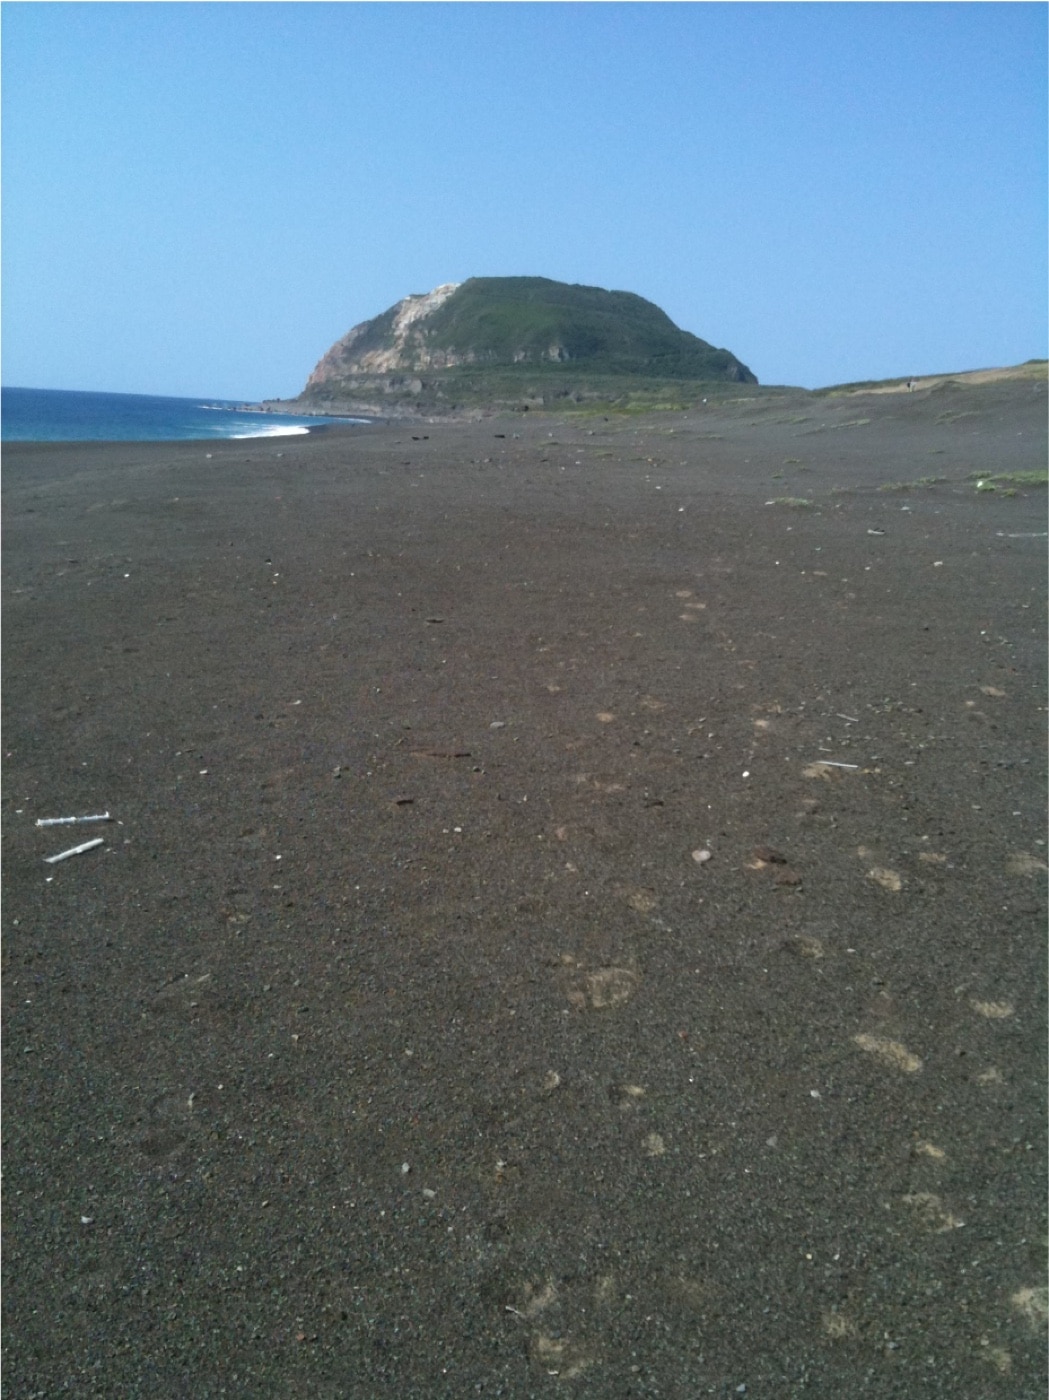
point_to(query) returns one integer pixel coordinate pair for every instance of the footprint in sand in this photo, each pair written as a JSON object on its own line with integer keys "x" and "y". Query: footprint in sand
{"x": 997, "y": 1357}
{"x": 886, "y": 878}
{"x": 627, "y": 1096}
{"x": 826, "y": 771}
{"x": 838, "y": 1326}
{"x": 881, "y": 874}
{"x": 536, "y": 1299}
{"x": 1024, "y": 864}
{"x": 611, "y": 986}
{"x": 654, "y": 1145}
{"x": 890, "y": 1052}
{"x": 640, "y": 900}
{"x": 924, "y": 1148}
{"x": 804, "y": 945}
{"x": 561, "y": 1357}
{"x": 931, "y": 1214}
{"x": 1033, "y": 1306}
{"x": 557, "y": 1355}
{"x": 991, "y": 1076}
{"x": 766, "y": 858}
{"x": 602, "y": 988}
{"x": 184, "y": 995}
{"x": 993, "y": 1010}
{"x": 170, "y": 1125}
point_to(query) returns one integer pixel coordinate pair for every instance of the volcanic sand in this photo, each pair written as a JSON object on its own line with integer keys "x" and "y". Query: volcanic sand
{"x": 572, "y": 919}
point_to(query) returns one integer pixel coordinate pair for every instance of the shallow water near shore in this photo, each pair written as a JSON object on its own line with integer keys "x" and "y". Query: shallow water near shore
{"x": 60, "y": 415}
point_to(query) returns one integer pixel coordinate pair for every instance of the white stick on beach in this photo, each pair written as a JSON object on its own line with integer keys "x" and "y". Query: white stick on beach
{"x": 69, "y": 821}
{"x": 75, "y": 850}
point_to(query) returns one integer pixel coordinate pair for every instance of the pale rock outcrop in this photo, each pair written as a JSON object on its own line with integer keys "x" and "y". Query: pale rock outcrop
{"x": 405, "y": 352}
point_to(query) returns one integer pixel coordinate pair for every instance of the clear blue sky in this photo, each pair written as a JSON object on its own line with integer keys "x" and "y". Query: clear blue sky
{"x": 200, "y": 198}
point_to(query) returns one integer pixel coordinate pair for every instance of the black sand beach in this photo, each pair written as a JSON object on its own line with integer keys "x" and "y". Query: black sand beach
{"x": 396, "y": 1041}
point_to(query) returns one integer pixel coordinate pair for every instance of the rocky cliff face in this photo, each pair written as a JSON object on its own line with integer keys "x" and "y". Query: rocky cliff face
{"x": 403, "y": 345}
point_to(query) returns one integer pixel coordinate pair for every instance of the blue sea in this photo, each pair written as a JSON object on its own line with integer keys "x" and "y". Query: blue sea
{"x": 64, "y": 415}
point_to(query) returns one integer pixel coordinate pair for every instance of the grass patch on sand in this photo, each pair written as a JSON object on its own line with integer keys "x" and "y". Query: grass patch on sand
{"x": 621, "y": 409}
{"x": 1032, "y": 478}
{"x": 918, "y": 484}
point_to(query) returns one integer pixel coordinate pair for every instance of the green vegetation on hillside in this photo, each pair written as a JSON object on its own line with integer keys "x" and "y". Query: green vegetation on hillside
{"x": 520, "y": 320}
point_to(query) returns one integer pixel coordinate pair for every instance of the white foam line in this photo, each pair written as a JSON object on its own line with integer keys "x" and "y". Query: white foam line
{"x": 293, "y": 431}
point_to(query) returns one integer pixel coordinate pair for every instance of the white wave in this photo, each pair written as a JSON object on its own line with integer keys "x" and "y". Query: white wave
{"x": 291, "y": 430}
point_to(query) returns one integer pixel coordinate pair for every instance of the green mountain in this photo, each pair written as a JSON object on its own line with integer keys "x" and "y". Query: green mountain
{"x": 499, "y": 339}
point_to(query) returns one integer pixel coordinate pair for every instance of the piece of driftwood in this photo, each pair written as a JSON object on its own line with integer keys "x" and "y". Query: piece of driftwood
{"x": 75, "y": 850}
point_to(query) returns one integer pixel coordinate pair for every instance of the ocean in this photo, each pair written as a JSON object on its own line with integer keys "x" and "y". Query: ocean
{"x": 63, "y": 415}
